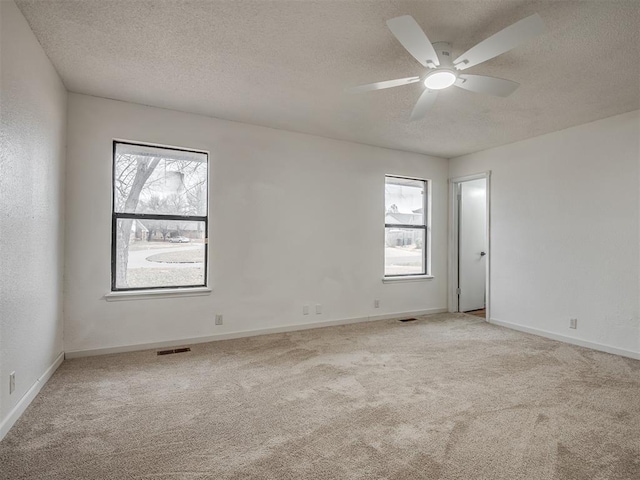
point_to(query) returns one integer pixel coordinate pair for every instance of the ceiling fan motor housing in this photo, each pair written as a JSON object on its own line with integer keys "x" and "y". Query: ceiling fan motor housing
{"x": 445, "y": 74}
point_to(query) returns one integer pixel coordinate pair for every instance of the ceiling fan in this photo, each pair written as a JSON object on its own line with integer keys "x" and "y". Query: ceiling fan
{"x": 443, "y": 72}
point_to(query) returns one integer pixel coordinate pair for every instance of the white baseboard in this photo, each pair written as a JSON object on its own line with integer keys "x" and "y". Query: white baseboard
{"x": 564, "y": 338}
{"x": 28, "y": 397}
{"x": 245, "y": 333}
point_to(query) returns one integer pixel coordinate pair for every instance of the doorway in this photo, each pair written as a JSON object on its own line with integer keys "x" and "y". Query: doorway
{"x": 469, "y": 274}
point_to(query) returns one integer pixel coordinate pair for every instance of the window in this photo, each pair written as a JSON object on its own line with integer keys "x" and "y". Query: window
{"x": 406, "y": 227}
{"x": 160, "y": 222}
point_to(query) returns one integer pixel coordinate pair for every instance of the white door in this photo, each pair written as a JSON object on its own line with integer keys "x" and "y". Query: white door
{"x": 472, "y": 244}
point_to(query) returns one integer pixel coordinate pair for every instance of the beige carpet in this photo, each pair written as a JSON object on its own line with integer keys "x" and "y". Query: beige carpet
{"x": 445, "y": 397}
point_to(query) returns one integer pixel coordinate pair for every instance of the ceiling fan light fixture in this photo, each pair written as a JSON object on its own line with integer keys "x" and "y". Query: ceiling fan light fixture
{"x": 440, "y": 79}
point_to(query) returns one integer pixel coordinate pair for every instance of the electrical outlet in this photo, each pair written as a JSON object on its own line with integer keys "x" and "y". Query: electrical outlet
{"x": 573, "y": 323}
{"x": 305, "y": 309}
{"x": 318, "y": 309}
{"x": 376, "y": 303}
{"x": 12, "y": 382}
{"x": 218, "y": 319}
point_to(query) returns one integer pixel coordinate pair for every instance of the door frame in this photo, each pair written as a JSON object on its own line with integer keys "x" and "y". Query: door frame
{"x": 454, "y": 209}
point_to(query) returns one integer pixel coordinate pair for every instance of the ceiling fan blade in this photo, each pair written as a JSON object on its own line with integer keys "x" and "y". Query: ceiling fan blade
{"x": 491, "y": 85}
{"x": 501, "y": 42}
{"x": 413, "y": 38}
{"x": 370, "y": 87}
{"x": 424, "y": 103}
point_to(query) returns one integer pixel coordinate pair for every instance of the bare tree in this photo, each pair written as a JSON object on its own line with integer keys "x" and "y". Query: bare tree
{"x": 144, "y": 167}
{"x": 156, "y": 204}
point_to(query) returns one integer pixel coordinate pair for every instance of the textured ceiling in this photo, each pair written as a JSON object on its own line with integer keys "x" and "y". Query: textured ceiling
{"x": 285, "y": 64}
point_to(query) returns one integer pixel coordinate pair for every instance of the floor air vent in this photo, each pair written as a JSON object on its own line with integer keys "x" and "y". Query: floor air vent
{"x": 173, "y": 350}
{"x": 408, "y": 320}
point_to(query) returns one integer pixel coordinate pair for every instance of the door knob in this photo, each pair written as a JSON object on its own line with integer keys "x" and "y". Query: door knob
{"x": 482, "y": 254}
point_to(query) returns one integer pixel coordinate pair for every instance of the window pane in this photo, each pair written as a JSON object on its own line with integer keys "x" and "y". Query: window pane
{"x": 404, "y": 201}
{"x": 159, "y": 253}
{"x": 403, "y": 251}
{"x": 159, "y": 180}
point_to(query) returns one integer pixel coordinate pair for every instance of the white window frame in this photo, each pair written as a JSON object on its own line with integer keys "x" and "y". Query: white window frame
{"x": 426, "y": 226}
{"x": 162, "y": 291}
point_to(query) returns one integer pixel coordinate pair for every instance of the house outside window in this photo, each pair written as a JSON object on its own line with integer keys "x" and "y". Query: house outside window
{"x": 160, "y": 217}
{"x": 406, "y": 227}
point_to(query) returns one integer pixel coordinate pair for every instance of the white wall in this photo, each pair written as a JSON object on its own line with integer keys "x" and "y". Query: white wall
{"x": 294, "y": 219}
{"x": 32, "y": 151}
{"x": 565, "y": 230}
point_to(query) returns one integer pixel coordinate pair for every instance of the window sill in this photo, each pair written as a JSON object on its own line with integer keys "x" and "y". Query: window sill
{"x": 411, "y": 278}
{"x": 163, "y": 293}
